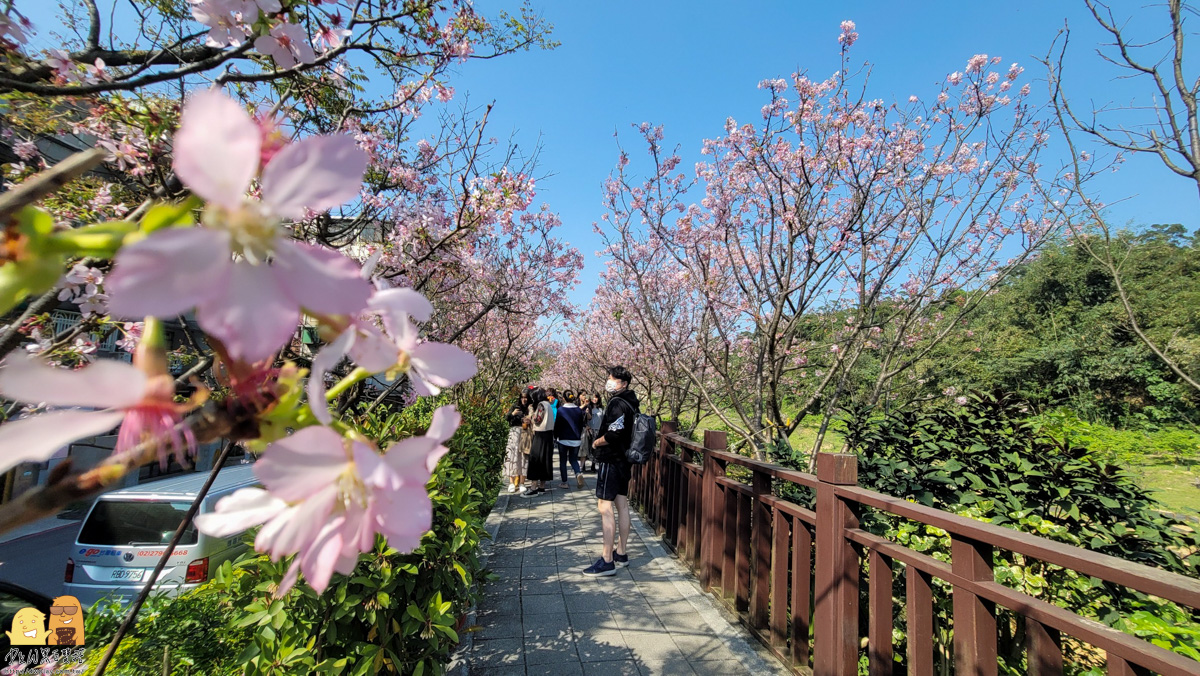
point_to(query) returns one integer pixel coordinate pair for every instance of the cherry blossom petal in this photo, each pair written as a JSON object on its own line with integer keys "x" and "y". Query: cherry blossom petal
{"x": 318, "y": 560}
{"x": 409, "y": 460}
{"x": 446, "y": 420}
{"x": 38, "y": 438}
{"x": 323, "y": 363}
{"x": 295, "y": 529}
{"x": 319, "y": 172}
{"x": 168, "y": 273}
{"x": 404, "y": 516}
{"x": 442, "y": 365}
{"x": 297, "y": 466}
{"x": 253, "y": 317}
{"x": 320, "y": 279}
{"x": 216, "y": 148}
{"x": 289, "y": 579}
{"x": 247, "y": 507}
{"x": 394, "y": 302}
{"x": 372, "y": 350}
{"x": 104, "y": 384}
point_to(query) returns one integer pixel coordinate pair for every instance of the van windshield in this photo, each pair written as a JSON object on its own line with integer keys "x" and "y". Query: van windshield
{"x": 135, "y": 522}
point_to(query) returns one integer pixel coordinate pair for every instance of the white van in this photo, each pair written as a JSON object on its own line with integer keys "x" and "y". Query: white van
{"x": 127, "y": 531}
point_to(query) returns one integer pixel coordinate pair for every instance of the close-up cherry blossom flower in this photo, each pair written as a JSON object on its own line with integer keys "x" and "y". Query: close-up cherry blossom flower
{"x": 246, "y": 277}
{"x": 429, "y": 365}
{"x": 325, "y": 498}
{"x": 102, "y": 396}
{"x": 287, "y": 44}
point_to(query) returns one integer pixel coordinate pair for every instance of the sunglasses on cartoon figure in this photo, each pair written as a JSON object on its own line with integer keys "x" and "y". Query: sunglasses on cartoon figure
{"x": 59, "y": 610}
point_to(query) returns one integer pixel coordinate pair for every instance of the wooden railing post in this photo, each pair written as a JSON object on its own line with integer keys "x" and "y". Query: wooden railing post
{"x": 660, "y": 491}
{"x": 760, "y": 536}
{"x": 836, "y": 636}
{"x": 714, "y": 513}
{"x": 974, "y": 618}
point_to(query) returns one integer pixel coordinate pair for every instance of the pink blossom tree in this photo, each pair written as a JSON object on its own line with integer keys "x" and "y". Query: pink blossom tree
{"x": 839, "y": 226}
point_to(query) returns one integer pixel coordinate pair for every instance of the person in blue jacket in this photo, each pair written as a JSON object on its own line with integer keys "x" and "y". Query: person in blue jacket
{"x": 568, "y": 428}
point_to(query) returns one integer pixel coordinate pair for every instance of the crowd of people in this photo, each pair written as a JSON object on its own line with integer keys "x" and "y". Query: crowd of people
{"x": 582, "y": 428}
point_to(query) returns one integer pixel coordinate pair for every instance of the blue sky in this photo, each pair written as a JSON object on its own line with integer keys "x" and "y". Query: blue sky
{"x": 690, "y": 65}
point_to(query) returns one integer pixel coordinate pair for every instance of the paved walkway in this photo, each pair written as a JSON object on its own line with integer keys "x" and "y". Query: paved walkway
{"x": 542, "y": 616}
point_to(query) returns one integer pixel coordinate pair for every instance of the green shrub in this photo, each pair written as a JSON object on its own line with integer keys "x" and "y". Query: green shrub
{"x": 397, "y": 613}
{"x": 984, "y": 460}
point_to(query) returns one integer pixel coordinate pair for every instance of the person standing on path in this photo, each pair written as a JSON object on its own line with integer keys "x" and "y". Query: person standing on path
{"x": 567, "y": 432}
{"x": 541, "y": 454}
{"x": 612, "y": 476}
{"x": 514, "y": 458}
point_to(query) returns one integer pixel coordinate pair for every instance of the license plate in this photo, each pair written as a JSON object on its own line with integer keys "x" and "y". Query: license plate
{"x": 133, "y": 574}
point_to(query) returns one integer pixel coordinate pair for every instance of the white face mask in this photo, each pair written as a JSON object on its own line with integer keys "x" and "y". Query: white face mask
{"x": 610, "y": 386}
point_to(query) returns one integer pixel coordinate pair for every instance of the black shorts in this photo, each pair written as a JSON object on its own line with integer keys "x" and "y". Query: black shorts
{"x": 612, "y": 479}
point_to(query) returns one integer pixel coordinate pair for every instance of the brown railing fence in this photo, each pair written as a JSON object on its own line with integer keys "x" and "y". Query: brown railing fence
{"x": 785, "y": 569}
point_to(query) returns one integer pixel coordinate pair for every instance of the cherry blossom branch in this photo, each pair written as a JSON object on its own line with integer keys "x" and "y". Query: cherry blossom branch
{"x": 64, "y": 486}
{"x": 51, "y": 180}
{"x": 127, "y": 623}
{"x": 12, "y": 335}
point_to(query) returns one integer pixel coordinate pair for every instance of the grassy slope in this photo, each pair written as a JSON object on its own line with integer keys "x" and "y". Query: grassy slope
{"x": 1172, "y": 485}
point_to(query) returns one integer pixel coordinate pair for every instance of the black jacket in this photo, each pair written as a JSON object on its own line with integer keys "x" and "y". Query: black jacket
{"x": 617, "y": 426}
{"x": 514, "y": 420}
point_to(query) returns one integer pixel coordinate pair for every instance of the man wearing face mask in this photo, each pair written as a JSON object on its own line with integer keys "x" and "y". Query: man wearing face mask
{"x": 613, "y": 471}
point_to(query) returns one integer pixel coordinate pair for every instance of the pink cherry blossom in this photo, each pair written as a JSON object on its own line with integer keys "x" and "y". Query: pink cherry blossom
{"x": 287, "y": 44}
{"x": 848, "y": 36}
{"x": 117, "y": 394}
{"x": 26, "y": 150}
{"x": 429, "y": 365}
{"x": 325, "y": 498}
{"x": 11, "y": 34}
{"x": 252, "y": 304}
{"x": 331, "y": 36}
{"x": 224, "y": 19}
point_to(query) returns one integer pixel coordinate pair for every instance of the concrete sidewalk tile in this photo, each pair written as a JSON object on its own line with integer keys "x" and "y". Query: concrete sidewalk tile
{"x": 726, "y": 668}
{"x": 546, "y": 625}
{"x": 652, "y": 646}
{"x": 602, "y": 646}
{"x": 531, "y": 588}
{"x": 640, "y": 623}
{"x": 482, "y": 670}
{"x": 700, "y": 648}
{"x": 586, "y": 600}
{"x": 564, "y": 668}
{"x": 494, "y": 603}
{"x": 550, "y": 649}
{"x": 673, "y": 606}
{"x": 498, "y": 652}
{"x": 498, "y": 629}
{"x": 667, "y": 668}
{"x": 535, "y": 572}
{"x": 593, "y": 621}
{"x": 621, "y": 668}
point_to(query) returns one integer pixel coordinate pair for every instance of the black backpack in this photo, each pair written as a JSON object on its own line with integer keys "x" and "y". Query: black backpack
{"x": 645, "y": 436}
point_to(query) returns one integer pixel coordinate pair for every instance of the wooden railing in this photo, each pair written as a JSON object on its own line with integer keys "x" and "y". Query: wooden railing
{"x": 756, "y": 553}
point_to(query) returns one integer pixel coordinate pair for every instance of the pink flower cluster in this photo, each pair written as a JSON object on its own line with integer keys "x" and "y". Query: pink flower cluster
{"x": 325, "y": 498}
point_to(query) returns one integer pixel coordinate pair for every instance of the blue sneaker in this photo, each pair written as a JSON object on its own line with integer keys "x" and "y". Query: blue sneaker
{"x": 601, "y": 568}
{"x": 620, "y": 560}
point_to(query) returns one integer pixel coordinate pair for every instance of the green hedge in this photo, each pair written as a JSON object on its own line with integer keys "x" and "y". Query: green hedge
{"x": 398, "y": 613}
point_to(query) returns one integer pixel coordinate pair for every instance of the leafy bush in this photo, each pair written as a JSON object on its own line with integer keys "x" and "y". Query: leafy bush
{"x": 985, "y": 461}
{"x": 397, "y": 613}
